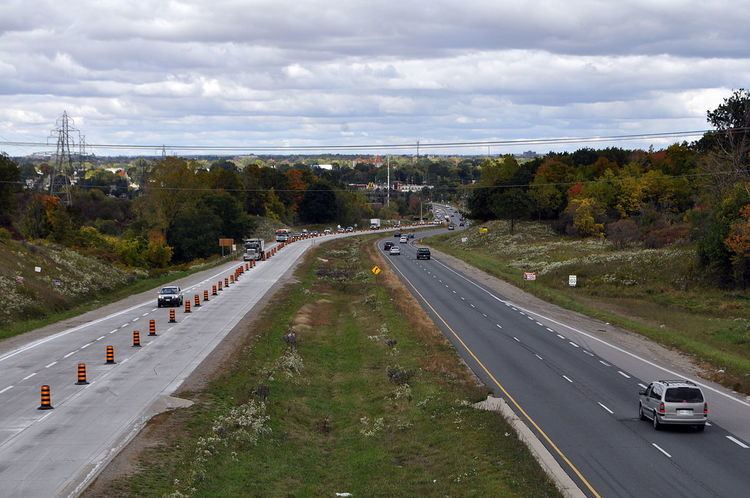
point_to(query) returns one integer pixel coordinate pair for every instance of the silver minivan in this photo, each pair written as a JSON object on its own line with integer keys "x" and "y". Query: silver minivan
{"x": 678, "y": 402}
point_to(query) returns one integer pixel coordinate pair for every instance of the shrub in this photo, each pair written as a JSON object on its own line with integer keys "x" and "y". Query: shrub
{"x": 665, "y": 236}
{"x": 622, "y": 233}
{"x": 4, "y": 235}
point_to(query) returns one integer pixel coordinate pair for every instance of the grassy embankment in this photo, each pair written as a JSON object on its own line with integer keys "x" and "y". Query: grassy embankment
{"x": 68, "y": 285}
{"x": 655, "y": 292}
{"x": 373, "y": 401}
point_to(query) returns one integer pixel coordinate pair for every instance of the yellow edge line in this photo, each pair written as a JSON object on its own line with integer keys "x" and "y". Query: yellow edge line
{"x": 507, "y": 394}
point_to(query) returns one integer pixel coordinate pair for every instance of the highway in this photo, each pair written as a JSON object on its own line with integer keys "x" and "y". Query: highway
{"x": 579, "y": 394}
{"x": 58, "y": 452}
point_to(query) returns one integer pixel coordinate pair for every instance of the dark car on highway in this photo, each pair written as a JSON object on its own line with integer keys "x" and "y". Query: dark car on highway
{"x": 387, "y": 245}
{"x": 423, "y": 253}
{"x": 169, "y": 296}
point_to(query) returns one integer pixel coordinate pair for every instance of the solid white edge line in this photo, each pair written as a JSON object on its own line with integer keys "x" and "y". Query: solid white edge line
{"x": 659, "y": 448}
{"x": 568, "y": 378}
{"x": 610, "y": 411}
{"x": 50, "y": 364}
{"x": 602, "y": 341}
{"x": 738, "y": 442}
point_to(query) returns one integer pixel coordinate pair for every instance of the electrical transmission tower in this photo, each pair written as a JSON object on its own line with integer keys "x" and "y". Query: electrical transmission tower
{"x": 62, "y": 167}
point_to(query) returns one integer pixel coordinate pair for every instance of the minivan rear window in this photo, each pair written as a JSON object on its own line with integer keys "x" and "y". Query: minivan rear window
{"x": 683, "y": 395}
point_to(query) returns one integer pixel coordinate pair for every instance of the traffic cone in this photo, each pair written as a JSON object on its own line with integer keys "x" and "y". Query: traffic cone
{"x": 46, "y": 398}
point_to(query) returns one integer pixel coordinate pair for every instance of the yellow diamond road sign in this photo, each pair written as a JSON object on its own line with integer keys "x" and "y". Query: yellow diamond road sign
{"x": 375, "y": 270}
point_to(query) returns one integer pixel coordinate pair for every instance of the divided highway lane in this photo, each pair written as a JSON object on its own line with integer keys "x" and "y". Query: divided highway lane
{"x": 57, "y": 452}
{"x": 585, "y": 404}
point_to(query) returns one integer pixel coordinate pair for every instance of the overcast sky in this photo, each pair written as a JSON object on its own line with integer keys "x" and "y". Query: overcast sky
{"x": 311, "y": 72}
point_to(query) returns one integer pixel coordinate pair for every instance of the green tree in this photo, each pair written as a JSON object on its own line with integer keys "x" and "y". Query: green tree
{"x": 10, "y": 173}
{"x": 511, "y": 204}
{"x": 318, "y": 204}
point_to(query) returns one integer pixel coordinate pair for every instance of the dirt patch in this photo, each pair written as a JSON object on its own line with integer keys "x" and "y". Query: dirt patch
{"x": 312, "y": 315}
{"x": 167, "y": 426}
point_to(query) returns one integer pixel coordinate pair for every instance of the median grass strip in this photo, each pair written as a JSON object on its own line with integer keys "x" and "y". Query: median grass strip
{"x": 655, "y": 292}
{"x": 343, "y": 386}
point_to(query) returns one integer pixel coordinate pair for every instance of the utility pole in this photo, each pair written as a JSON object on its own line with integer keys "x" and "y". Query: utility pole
{"x": 388, "y": 188}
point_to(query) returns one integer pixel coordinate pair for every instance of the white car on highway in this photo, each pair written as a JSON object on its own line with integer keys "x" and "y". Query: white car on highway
{"x": 394, "y": 251}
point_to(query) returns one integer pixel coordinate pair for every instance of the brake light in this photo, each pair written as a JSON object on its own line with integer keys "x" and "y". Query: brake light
{"x": 662, "y": 411}
{"x": 705, "y": 408}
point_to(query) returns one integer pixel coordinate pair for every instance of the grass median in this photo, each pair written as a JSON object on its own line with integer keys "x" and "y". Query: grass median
{"x": 343, "y": 385}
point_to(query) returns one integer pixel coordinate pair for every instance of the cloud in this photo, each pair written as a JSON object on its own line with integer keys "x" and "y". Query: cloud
{"x": 321, "y": 72}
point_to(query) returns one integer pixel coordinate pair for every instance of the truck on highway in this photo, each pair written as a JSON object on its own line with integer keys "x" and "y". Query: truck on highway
{"x": 374, "y": 223}
{"x": 253, "y": 249}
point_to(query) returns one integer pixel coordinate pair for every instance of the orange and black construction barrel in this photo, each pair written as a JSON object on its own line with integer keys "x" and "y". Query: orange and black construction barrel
{"x": 172, "y": 318}
{"x": 197, "y": 300}
{"x": 187, "y": 305}
{"x": 46, "y": 398}
{"x": 82, "y": 374}
{"x": 226, "y": 282}
{"x": 205, "y": 295}
{"x": 110, "y": 355}
{"x": 213, "y": 291}
{"x": 137, "y": 338}
{"x": 152, "y": 325}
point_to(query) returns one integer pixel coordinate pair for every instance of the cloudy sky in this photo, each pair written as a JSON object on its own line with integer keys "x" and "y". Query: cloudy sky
{"x": 308, "y": 72}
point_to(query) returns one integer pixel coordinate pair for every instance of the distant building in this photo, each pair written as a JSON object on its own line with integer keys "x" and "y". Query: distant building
{"x": 328, "y": 167}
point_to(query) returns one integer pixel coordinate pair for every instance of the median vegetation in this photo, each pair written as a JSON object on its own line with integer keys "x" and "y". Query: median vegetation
{"x": 341, "y": 386}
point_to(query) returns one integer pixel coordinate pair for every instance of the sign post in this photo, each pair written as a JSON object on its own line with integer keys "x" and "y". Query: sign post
{"x": 376, "y": 270}
{"x": 225, "y": 243}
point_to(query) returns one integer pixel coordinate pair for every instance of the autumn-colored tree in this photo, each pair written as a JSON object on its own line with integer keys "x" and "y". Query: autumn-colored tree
{"x": 585, "y": 212}
{"x": 738, "y": 242}
{"x": 172, "y": 186}
{"x": 297, "y": 185}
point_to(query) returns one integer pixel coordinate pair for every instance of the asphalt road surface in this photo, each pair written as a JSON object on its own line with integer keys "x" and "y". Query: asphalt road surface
{"x": 579, "y": 394}
{"x": 57, "y": 452}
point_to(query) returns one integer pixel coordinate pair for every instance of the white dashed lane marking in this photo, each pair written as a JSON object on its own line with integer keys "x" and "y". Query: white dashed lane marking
{"x": 50, "y": 364}
{"x": 498, "y": 325}
{"x": 738, "y": 442}
{"x": 463, "y": 299}
{"x": 549, "y": 329}
{"x": 86, "y": 345}
{"x": 472, "y": 305}
{"x": 454, "y": 292}
{"x": 484, "y": 315}
{"x": 610, "y": 411}
{"x": 659, "y": 448}
{"x": 567, "y": 378}
{"x": 6, "y": 389}
{"x": 29, "y": 376}
{"x": 561, "y": 336}
{"x": 69, "y": 354}
{"x": 573, "y": 344}
{"x": 134, "y": 319}
{"x": 100, "y": 338}
{"x": 540, "y": 324}
{"x": 588, "y": 352}
{"x": 623, "y": 374}
{"x": 604, "y": 363}
{"x": 516, "y": 339}
{"x": 145, "y": 314}
{"x": 124, "y": 325}
{"x": 538, "y": 356}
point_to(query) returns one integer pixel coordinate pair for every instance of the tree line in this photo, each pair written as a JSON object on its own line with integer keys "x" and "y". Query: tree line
{"x": 687, "y": 193}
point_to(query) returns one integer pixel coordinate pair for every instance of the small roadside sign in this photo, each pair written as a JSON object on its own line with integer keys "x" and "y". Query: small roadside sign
{"x": 529, "y": 275}
{"x": 464, "y": 239}
{"x": 572, "y": 280}
{"x": 376, "y": 270}
{"x": 484, "y": 230}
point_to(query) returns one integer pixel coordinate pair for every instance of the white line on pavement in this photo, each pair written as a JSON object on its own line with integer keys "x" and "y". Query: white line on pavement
{"x": 113, "y": 331}
{"x": 549, "y": 329}
{"x": 642, "y": 385}
{"x": 540, "y": 324}
{"x": 610, "y": 411}
{"x": 29, "y": 376}
{"x": 573, "y": 344}
{"x": 6, "y": 389}
{"x": 561, "y": 336}
{"x": 69, "y": 354}
{"x": 658, "y": 448}
{"x": 623, "y": 374}
{"x": 599, "y": 340}
{"x": 86, "y": 345}
{"x": 567, "y": 378}
{"x": 50, "y": 364}
{"x": 124, "y": 325}
{"x": 472, "y": 305}
{"x": 604, "y": 363}
{"x": 516, "y": 339}
{"x": 100, "y": 338}
{"x": 145, "y": 314}
{"x": 738, "y": 442}
{"x": 484, "y": 315}
{"x": 134, "y": 319}
{"x": 588, "y": 352}
{"x": 498, "y": 325}
{"x": 538, "y": 356}
{"x": 463, "y": 299}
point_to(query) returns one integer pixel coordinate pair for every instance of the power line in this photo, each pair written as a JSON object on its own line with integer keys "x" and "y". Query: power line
{"x": 396, "y": 146}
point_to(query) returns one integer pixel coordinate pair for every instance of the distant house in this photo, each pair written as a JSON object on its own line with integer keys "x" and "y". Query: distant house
{"x": 328, "y": 167}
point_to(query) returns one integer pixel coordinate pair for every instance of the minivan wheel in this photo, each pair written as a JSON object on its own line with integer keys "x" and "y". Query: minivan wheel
{"x": 641, "y": 415}
{"x": 657, "y": 425}
{"x": 700, "y": 427}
